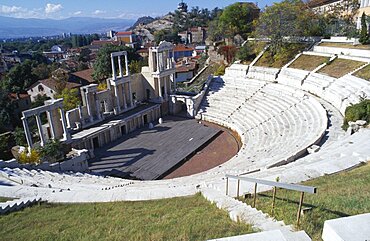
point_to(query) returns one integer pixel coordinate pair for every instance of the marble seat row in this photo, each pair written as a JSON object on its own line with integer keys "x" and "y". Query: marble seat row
{"x": 279, "y": 122}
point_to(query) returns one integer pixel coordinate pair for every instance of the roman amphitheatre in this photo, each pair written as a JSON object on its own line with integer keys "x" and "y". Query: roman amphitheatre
{"x": 288, "y": 121}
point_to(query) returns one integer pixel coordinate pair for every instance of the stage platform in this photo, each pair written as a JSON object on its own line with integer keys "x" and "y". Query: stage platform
{"x": 151, "y": 154}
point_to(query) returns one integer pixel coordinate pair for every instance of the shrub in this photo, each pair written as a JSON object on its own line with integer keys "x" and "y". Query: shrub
{"x": 29, "y": 158}
{"x": 360, "y": 111}
{"x": 220, "y": 71}
{"x": 102, "y": 86}
{"x": 52, "y": 151}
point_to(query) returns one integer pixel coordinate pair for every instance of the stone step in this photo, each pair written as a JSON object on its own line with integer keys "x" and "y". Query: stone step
{"x": 239, "y": 211}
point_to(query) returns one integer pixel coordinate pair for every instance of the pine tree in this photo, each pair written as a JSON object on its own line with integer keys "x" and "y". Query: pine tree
{"x": 364, "y": 36}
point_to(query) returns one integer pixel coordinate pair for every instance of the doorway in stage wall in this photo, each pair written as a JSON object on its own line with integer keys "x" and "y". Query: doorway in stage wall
{"x": 145, "y": 119}
{"x": 96, "y": 142}
{"x": 123, "y": 130}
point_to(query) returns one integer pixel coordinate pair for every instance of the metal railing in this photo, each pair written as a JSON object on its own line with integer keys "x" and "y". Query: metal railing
{"x": 295, "y": 187}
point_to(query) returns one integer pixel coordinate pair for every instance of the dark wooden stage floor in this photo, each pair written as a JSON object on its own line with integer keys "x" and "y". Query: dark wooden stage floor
{"x": 151, "y": 154}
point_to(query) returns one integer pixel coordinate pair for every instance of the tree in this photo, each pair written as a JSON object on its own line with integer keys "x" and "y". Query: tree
{"x": 364, "y": 35}
{"x": 167, "y": 35}
{"x": 19, "y": 137}
{"x": 103, "y": 66}
{"x": 84, "y": 55}
{"x": 52, "y": 152}
{"x": 39, "y": 100}
{"x": 237, "y": 19}
{"x": 20, "y": 77}
{"x": 228, "y": 52}
{"x": 289, "y": 18}
{"x": 245, "y": 53}
{"x": 5, "y": 111}
{"x": 70, "y": 97}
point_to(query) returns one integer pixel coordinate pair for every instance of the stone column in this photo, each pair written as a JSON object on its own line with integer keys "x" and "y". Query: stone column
{"x": 159, "y": 88}
{"x": 126, "y": 64}
{"x": 64, "y": 125}
{"x": 120, "y": 66}
{"x": 27, "y": 132}
{"x": 97, "y": 104}
{"x": 114, "y": 76}
{"x": 106, "y": 107}
{"x": 80, "y": 114}
{"x": 88, "y": 107}
{"x": 117, "y": 99}
{"x": 124, "y": 96}
{"x": 130, "y": 94}
{"x": 174, "y": 82}
{"x": 51, "y": 123}
{"x": 165, "y": 88}
{"x": 157, "y": 55}
{"x": 39, "y": 126}
{"x": 173, "y": 57}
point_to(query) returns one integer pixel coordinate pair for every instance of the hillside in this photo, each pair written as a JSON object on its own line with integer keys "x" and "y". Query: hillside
{"x": 147, "y": 30}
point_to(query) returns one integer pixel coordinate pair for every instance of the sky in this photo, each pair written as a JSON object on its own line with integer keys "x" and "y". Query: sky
{"x": 128, "y": 9}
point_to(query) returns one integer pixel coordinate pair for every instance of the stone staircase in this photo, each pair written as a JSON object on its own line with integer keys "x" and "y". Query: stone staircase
{"x": 239, "y": 211}
{"x": 18, "y": 204}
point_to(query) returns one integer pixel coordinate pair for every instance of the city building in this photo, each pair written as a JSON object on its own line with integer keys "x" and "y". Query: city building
{"x": 194, "y": 35}
{"x": 48, "y": 87}
{"x": 182, "y": 50}
{"x": 127, "y": 38}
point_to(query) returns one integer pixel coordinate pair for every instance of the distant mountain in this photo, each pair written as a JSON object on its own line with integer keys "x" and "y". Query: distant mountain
{"x": 142, "y": 20}
{"x": 20, "y": 27}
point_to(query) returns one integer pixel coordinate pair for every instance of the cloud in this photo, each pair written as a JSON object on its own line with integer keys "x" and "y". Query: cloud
{"x": 97, "y": 12}
{"x": 77, "y": 13}
{"x": 52, "y": 8}
{"x": 19, "y": 12}
{"x": 10, "y": 9}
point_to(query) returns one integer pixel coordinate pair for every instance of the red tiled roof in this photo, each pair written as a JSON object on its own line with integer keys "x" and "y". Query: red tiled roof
{"x": 85, "y": 74}
{"x": 52, "y": 84}
{"x": 13, "y": 96}
{"x": 181, "y": 47}
{"x": 145, "y": 50}
{"x": 124, "y": 33}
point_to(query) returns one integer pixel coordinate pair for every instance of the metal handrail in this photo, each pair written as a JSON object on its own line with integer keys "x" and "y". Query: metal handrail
{"x": 288, "y": 186}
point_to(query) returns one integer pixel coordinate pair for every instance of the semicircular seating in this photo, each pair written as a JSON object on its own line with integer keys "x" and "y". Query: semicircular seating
{"x": 276, "y": 122}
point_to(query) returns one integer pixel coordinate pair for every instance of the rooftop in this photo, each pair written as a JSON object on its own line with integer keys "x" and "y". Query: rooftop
{"x": 85, "y": 74}
{"x": 318, "y": 3}
{"x": 52, "y": 84}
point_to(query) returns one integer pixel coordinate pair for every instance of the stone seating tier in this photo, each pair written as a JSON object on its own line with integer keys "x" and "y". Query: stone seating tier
{"x": 268, "y": 120}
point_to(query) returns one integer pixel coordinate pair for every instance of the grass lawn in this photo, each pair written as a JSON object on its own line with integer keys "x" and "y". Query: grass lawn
{"x": 345, "y": 45}
{"x": 308, "y": 62}
{"x": 339, "y": 195}
{"x": 286, "y": 54}
{"x": 188, "y": 218}
{"x": 4, "y": 199}
{"x": 340, "y": 67}
{"x": 364, "y": 73}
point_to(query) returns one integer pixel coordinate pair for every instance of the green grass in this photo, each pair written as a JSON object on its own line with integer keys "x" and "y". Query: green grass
{"x": 4, "y": 199}
{"x": 285, "y": 54}
{"x": 345, "y": 45}
{"x": 339, "y": 195}
{"x": 308, "y": 62}
{"x": 340, "y": 67}
{"x": 364, "y": 73}
{"x": 188, "y": 218}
